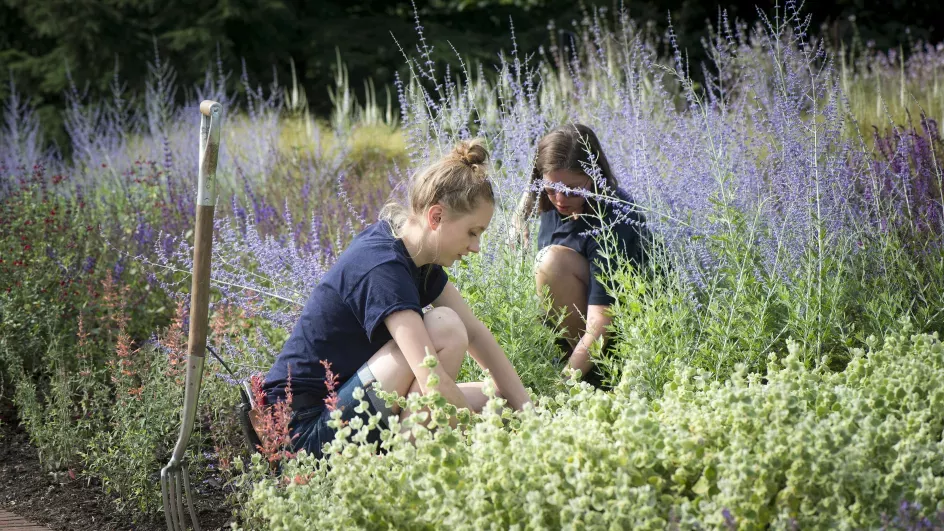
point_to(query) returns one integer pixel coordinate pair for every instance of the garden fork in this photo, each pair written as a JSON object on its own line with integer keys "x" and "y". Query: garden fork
{"x": 175, "y": 476}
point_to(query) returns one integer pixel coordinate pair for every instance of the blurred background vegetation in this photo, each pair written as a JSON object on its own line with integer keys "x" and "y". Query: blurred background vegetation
{"x": 45, "y": 43}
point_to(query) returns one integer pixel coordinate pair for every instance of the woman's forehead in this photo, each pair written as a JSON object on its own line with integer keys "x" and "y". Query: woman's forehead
{"x": 565, "y": 176}
{"x": 478, "y": 216}
{"x": 481, "y": 216}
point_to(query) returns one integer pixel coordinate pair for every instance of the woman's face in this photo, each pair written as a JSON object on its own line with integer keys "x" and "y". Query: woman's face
{"x": 460, "y": 234}
{"x": 567, "y": 203}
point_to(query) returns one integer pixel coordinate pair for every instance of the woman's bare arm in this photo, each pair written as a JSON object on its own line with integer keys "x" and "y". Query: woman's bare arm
{"x": 523, "y": 211}
{"x": 409, "y": 332}
{"x": 485, "y": 350}
{"x": 597, "y": 321}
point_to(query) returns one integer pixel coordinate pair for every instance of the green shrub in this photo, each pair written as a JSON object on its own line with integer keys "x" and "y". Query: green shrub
{"x": 739, "y": 313}
{"x": 501, "y": 292}
{"x": 48, "y": 271}
{"x": 62, "y": 417}
{"x": 139, "y": 431}
{"x": 805, "y": 447}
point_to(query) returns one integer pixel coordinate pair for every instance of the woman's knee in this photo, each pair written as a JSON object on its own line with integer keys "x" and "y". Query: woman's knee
{"x": 556, "y": 262}
{"x": 446, "y": 330}
{"x": 448, "y": 336}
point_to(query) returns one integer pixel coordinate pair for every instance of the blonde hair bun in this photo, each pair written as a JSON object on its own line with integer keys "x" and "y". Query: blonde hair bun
{"x": 470, "y": 152}
{"x": 458, "y": 182}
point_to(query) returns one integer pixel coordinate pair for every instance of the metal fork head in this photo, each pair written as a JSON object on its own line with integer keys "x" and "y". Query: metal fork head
{"x": 175, "y": 481}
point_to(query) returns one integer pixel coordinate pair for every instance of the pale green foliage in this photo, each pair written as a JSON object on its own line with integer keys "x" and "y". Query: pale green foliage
{"x": 132, "y": 443}
{"x": 826, "y": 449}
{"x": 501, "y": 292}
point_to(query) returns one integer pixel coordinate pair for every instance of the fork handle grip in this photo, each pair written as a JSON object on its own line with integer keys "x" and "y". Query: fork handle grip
{"x": 206, "y": 107}
{"x": 211, "y": 124}
{"x": 200, "y": 283}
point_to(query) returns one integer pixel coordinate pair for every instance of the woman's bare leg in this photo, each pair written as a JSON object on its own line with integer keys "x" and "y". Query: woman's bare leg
{"x": 566, "y": 274}
{"x": 475, "y": 396}
{"x": 450, "y": 341}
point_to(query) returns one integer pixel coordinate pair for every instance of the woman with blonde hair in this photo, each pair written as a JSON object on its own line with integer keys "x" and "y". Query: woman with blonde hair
{"x": 365, "y": 318}
{"x": 576, "y": 212}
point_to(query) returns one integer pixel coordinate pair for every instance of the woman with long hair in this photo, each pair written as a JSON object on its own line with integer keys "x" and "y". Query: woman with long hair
{"x": 579, "y": 204}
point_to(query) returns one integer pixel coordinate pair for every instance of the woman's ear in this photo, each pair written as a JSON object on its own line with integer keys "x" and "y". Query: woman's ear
{"x": 434, "y": 216}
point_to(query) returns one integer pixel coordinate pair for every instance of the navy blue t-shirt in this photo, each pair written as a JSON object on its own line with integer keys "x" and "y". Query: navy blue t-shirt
{"x": 343, "y": 320}
{"x": 630, "y": 233}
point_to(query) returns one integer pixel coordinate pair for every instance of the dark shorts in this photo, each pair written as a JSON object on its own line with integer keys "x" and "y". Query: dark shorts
{"x": 311, "y": 424}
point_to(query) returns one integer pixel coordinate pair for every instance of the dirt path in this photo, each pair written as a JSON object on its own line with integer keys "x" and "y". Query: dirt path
{"x": 12, "y": 522}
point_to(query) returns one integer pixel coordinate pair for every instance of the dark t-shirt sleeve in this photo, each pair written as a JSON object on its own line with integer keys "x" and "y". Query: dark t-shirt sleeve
{"x": 596, "y": 294}
{"x": 630, "y": 246}
{"x": 384, "y": 290}
{"x": 432, "y": 283}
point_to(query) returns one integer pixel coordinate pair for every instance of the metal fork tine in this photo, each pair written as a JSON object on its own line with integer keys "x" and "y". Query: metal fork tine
{"x": 172, "y": 501}
{"x": 168, "y": 493}
{"x": 181, "y": 511}
{"x": 166, "y": 497}
{"x": 181, "y": 514}
{"x": 193, "y": 514}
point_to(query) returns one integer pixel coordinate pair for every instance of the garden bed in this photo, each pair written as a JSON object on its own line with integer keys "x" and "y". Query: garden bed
{"x": 786, "y": 229}
{"x": 61, "y": 502}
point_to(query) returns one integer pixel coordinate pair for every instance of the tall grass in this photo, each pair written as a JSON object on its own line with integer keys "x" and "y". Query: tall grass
{"x": 892, "y": 87}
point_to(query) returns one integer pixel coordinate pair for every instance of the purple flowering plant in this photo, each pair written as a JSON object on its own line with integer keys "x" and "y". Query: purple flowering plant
{"x": 773, "y": 215}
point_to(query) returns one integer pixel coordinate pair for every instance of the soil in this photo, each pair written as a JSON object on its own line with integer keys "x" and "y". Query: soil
{"x": 62, "y": 503}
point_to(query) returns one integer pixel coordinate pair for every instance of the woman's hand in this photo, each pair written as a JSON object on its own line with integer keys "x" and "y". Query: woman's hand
{"x": 520, "y": 232}
{"x": 485, "y": 350}
{"x": 598, "y": 319}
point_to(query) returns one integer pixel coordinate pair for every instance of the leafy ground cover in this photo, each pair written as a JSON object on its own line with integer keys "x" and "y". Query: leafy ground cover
{"x": 796, "y": 448}
{"x": 750, "y": 386}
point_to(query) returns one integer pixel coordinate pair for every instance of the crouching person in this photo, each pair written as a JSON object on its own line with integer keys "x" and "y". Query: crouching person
{"x": 365, "y": 318}
{"x": 572, "y": 211}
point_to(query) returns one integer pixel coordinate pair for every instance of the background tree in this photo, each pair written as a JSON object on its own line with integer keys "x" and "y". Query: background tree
{"x": 43, "y": 43}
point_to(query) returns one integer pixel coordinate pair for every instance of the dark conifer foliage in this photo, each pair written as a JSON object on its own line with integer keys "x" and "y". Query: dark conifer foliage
{"x": 43, "y": 43}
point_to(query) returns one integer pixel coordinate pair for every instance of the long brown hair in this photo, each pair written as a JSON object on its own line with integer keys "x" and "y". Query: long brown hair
{"x": 573, "y": 147}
